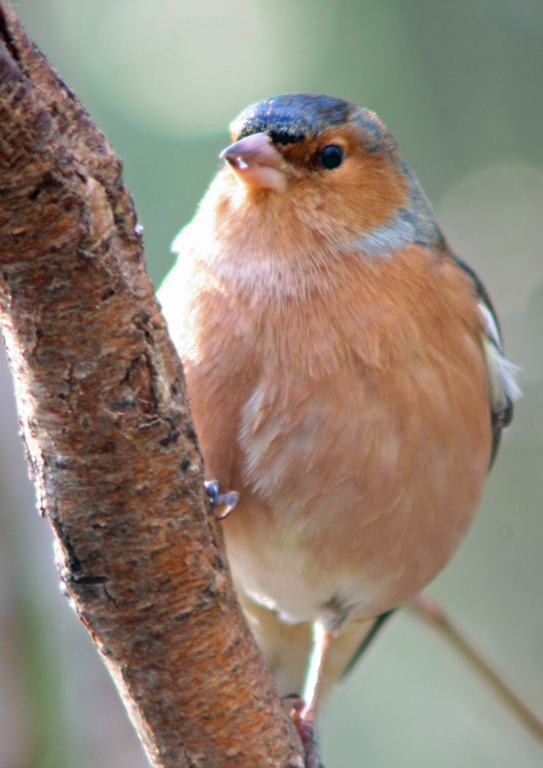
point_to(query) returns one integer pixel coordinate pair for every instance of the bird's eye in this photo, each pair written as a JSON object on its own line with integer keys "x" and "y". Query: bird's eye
{"x": 331, "y": 156}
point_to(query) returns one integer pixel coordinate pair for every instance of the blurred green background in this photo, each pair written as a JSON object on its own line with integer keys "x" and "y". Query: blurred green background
{"x": 460, "y": 85}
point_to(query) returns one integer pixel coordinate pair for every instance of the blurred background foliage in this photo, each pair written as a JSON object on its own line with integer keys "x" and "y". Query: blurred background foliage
{"x": 460, "y": 85}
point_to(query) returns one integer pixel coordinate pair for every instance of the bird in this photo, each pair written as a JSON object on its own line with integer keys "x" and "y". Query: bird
{"x": 346, "y": 378}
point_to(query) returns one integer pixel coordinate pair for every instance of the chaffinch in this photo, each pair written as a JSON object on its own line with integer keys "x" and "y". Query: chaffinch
{"x": 345, "y": 373}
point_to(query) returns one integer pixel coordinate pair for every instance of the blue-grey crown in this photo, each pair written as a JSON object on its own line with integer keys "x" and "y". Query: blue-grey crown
{"x": 294, "y": 117}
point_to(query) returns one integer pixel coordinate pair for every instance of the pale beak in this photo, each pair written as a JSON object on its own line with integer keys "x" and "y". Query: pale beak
{"x": 257, "y": 163}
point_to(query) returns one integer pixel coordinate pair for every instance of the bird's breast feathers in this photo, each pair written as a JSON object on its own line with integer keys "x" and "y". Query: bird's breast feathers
{"x": 359, "y": 392}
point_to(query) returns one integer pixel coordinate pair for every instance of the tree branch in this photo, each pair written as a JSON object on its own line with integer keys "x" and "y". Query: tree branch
{"x": 109, "y": 437}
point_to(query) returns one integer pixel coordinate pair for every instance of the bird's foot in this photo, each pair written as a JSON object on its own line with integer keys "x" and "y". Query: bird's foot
{"x": 226, "y": 501}
{"x": 304, "y": 722}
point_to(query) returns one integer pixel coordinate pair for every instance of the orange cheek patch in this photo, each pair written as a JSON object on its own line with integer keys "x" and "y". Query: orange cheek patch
{"x": 367, "y": 194}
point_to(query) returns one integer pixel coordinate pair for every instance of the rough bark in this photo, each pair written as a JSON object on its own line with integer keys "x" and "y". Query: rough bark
{"x": 109, "y": 436}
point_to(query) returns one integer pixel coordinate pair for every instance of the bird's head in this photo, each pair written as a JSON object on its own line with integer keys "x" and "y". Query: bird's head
{"x": 334, "y": 164}
{"x": 312, "y": 175}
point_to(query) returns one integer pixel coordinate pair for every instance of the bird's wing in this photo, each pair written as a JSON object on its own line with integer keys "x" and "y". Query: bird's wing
{"x": 502, "y": 385}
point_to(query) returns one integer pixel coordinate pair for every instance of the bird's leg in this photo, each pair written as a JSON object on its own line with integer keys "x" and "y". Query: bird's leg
{"x": 323, "y": 634}
{"x": 218, "y": 499}
{"x": 303, "y": 712}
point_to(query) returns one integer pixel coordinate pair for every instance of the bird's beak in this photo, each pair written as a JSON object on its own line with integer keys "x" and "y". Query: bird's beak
{"x": 256, "y": 162}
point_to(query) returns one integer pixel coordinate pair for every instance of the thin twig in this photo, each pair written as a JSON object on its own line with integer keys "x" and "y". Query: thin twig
{"x": 427, "y": 610}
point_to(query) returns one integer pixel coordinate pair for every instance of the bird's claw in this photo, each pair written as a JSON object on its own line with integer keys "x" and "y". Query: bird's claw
{"x": 226, "y": 500}
{"x": 306, "y": 731}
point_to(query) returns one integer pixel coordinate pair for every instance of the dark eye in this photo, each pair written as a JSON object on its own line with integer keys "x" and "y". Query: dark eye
{"x": 331, "y": 156}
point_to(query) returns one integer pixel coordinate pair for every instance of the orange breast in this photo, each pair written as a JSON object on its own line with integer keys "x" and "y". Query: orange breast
{"x": 353, "y": 419}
